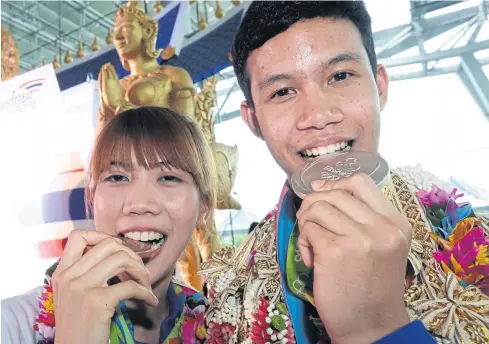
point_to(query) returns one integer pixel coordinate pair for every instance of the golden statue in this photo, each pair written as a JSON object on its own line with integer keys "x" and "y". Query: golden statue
{"x": 149, "y": 83}
{"x": 10, "y": 55}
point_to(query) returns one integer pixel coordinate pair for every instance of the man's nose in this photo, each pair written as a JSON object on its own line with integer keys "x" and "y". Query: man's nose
{"x": 318, "y": 111}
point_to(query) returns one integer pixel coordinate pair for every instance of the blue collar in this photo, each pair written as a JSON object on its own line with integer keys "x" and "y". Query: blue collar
{"x": 304, "y": 330}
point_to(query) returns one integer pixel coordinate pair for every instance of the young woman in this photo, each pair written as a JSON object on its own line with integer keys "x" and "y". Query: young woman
{"x": 149, "y": 184}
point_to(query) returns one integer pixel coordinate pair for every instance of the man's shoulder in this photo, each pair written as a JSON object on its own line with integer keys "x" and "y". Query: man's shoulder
{"x": 444, "y": 279}
{"x": 18, "y": 316}
{"x": 417, "y": 178}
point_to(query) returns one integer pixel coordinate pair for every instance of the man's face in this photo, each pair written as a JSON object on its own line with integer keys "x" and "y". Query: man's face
{"x": 314, "y": 93}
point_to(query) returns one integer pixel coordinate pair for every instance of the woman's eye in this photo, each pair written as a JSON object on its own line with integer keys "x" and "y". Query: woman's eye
{"x": 340, "y": 76}
{"x": 170, "y": 179}
{"x": 283, "y": 92}
{"x": 116, "y": 178}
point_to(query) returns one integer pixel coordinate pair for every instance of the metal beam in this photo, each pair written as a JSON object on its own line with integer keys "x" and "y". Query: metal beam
{"x": 439, "y": 55}
{"x": 475, "y": 80}
{"x": 91, "y": 13}
{"x": 420, "y": 8}
{"x": 29, "y": 29}
{"x": 48, "y": 24}
{"x": 431, "y": 28}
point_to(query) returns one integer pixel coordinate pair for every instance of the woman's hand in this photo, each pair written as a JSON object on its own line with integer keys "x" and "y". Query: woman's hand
{"x": 84, "y": 303}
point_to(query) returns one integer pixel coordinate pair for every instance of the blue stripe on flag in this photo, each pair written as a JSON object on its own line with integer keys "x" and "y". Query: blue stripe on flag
{"x": 66, "y": 205}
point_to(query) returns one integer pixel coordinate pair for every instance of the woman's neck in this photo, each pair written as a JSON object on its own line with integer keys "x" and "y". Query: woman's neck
{"x": 147, "y": 320}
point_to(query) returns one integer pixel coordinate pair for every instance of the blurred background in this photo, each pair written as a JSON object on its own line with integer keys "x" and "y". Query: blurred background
{"x": 437, "y": 116}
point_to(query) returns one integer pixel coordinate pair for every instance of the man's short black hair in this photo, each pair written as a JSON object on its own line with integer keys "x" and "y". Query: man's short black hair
{"x": 266, "y": 19}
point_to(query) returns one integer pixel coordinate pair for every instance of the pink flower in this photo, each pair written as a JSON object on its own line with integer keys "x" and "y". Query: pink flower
{"x": 434, "y": 197}
{"x": 194, "y": 318}
{"x": 46, "y": 331}
{"x": 468, "y": 257}
{"x": 437, "y": 196}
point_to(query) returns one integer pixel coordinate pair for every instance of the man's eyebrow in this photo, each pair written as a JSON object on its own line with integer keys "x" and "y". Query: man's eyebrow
{"x": 344, "y": 57}
{"x": 273, "y": 78}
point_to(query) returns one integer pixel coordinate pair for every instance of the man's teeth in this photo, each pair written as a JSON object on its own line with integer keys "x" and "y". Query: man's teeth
{"x": 340, "y": 146}
{"x": 143, "y": 236}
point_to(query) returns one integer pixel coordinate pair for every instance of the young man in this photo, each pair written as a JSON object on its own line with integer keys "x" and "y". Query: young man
{"x": 332, "y": 267}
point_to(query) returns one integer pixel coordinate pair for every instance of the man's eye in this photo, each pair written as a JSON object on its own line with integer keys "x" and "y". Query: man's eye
{"x": 340, "y": 76}
{"x": 283, "y": 92}
{"x": 116, "y": 178}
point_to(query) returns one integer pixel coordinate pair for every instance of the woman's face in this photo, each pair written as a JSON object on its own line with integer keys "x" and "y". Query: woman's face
{"x": 159, "y": 205}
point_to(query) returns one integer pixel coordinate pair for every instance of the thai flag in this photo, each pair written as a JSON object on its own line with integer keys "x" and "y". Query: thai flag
{"x": 62, "y": 209}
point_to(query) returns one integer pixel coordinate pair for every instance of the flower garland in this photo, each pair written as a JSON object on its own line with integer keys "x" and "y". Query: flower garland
{"x": 45, "y": 323}
{"x": 463, "y": 245}
{"x": 193, "y": 330}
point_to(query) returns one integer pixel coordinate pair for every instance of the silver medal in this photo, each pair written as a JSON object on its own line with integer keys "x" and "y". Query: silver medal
{"x": 339, "y": 165}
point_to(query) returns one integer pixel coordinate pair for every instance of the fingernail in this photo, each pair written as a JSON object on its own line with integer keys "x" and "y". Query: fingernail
{"x": 119, "y": 240}
{"x": 317, "y": 184}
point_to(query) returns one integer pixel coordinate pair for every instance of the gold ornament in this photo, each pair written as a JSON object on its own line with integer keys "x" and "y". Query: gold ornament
{"x": 68, "y": 57}
{"x": 158, "y": 7}
{"x": 43, "y": 62}
{"x": 230, "y": 57}
{"x": 219, "y": 12}
{"x": 109, "y": 39}
{"x": 192, "y": 2}
{"x": 56, "y": 64}
{"x": 79, "y": 51}
{"x": 168, "y": 53}
{"x": 202, "y": 22}
{"x": 10, "y": 55}
{"x": 95, "y": 46}
{"x": 236, "y": 2}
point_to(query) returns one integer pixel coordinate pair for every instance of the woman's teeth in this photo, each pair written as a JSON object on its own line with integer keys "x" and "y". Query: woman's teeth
{"x": 158, "y": 238}
{"x": 340, "y": 146}
{"x": 143, "y": 236}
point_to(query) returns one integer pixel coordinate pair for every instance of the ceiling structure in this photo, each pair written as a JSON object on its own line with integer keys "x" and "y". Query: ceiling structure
{"x": 45, "y": 29}
{"x": 441, "y": 37}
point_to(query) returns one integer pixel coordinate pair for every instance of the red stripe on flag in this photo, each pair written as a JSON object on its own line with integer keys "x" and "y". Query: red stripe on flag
{"x": 52, "y": 248}
{"x": 28, "y": 82}
{"x": 73, "y": 171}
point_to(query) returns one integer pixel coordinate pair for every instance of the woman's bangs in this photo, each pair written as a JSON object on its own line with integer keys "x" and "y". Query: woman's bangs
{"x": 150, "y": 151}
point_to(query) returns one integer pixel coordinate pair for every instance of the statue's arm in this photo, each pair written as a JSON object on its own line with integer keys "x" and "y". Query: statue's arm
{"x": 111, "y": 94}
{"x": 183, "y": 90}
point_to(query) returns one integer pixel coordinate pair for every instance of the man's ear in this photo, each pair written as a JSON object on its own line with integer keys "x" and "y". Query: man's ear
{"x": 249, "y": 117}
{"x": 382, "y": 80}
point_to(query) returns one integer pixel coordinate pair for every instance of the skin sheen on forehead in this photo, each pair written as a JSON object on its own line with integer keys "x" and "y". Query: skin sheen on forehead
{"x": 306, "y": 50}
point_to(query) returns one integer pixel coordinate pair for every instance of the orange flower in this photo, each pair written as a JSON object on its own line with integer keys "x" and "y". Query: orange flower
{"x": 462, "y": 229}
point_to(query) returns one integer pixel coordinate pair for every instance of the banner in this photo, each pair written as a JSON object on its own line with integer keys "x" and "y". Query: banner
{"x": 45, "y": 136}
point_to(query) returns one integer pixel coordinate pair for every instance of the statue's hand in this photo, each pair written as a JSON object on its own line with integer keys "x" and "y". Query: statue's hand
{"x": 110, "y": 88}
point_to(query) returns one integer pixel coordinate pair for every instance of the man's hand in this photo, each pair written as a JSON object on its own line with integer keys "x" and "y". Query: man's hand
{"x": 358, "y": 245}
